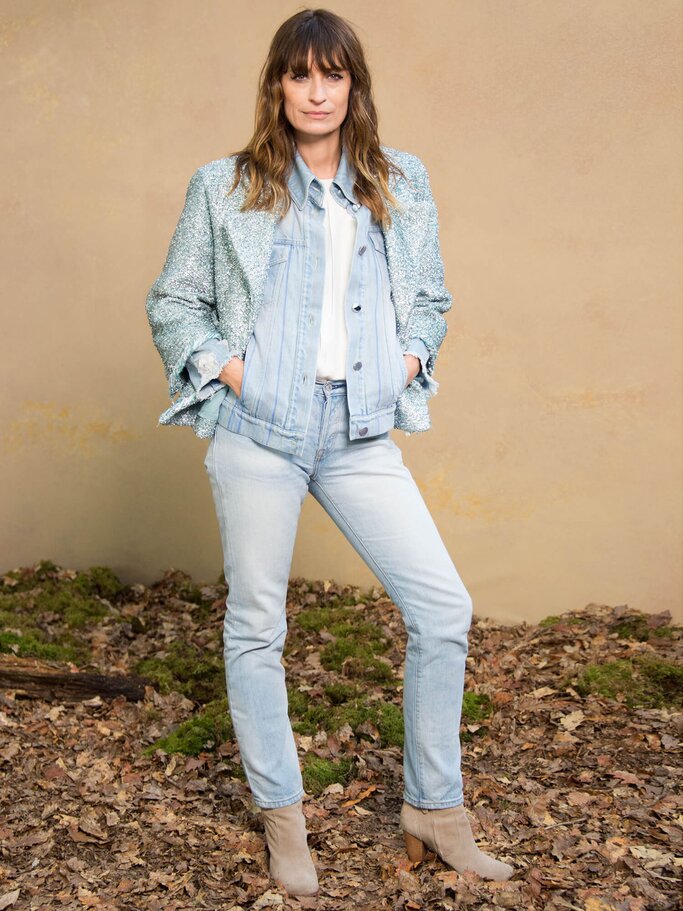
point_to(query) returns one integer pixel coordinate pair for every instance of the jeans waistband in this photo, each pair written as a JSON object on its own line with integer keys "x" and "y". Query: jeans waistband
{"x": 330, "y": 387}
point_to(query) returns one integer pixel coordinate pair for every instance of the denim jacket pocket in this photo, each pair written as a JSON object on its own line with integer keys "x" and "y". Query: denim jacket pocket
{"x": 258, "y": 346}
{"x": 242, "y": 397}
{"x": 404, "y": 366}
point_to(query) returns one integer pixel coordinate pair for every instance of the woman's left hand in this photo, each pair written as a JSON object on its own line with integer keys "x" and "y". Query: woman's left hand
{"x": 413, "y": 365}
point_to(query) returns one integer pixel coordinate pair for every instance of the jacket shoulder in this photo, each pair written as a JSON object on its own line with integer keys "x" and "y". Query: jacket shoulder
{"x": 405, "y": 160}
{"x": 411, "y": 165}
{"x": 216, "y": 170}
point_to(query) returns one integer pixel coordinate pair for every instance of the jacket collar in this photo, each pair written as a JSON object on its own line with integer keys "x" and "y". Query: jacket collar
{"x": 302, "y": 180}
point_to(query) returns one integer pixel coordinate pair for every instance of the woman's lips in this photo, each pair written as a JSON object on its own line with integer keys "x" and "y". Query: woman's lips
{"x": 317, "y": 113}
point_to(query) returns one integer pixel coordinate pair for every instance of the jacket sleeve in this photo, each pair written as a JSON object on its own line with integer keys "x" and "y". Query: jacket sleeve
{"x": 205, "y": 364}
{"x": 181, "y": 303}
{"x": 427, "y": 321}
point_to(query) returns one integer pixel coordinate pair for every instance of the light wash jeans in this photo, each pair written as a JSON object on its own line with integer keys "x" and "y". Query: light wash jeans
{"x": 371, "y": 495}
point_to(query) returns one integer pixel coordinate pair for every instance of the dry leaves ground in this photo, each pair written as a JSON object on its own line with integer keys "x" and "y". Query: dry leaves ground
{"x": 572, "y": 745}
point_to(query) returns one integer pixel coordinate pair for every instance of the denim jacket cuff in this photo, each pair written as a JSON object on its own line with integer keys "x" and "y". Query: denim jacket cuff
{"x": 205, "y": 363}
{"x": 417, "y": 347}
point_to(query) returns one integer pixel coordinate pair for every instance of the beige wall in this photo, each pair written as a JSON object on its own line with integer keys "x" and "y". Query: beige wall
{"x": 552, "y": 132}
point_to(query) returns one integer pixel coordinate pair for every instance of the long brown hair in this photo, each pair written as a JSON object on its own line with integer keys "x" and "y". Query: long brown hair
{"x": 269, "y": 155}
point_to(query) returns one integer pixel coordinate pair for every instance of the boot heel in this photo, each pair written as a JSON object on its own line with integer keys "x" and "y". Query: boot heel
{"x": 415, "y": 847}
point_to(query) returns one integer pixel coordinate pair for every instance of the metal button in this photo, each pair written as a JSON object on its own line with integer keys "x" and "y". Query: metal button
{"x": 362, "y": 250}
{"x": 357, "y": 365}
{"x": 363, "y": 431}
{"x": 304, "y": 378}
{"x": 357, "y": 308}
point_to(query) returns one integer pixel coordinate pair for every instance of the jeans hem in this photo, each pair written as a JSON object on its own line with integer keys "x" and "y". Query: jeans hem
{"x": 274, "y": 804}
{"x": 433, "y": 805}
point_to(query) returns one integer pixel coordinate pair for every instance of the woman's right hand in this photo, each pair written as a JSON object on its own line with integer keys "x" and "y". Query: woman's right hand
{"x": 232, "y": 374}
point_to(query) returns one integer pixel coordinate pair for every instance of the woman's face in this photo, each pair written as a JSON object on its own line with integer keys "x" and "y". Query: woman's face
{"x": 326, "y": 96}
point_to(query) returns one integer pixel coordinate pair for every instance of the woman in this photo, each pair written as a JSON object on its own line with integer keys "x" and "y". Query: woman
{"x": 299, "y": 315}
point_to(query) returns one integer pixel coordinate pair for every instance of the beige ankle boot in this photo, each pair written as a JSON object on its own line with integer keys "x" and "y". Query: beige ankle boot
{"x": 447, "y": 832}
{"x": 290, "y": 861}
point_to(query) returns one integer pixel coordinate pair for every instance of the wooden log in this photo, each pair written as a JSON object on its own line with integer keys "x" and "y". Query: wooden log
{"x": 42, "y": 680}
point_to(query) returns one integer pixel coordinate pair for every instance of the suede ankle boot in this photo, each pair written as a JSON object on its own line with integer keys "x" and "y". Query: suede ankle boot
{"x": 447, "y": 832}
{"x": 290, "y": 861}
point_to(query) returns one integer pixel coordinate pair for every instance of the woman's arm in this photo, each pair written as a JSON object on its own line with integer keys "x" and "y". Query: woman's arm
{"x": 181, "y": 303}
{"x": 433, "y": 300}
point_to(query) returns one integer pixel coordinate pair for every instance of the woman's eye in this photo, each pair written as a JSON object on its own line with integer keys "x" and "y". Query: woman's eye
{"x": 335, "y": 76}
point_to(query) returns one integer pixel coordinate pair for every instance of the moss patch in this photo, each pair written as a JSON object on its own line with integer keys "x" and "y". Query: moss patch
{"x": 44, "y": 609}
{"x": 644, "y": 681}
{"x": 184, "y": 669}
{"x": 341, "y": 706}
{"x": 554, "y": 619}
{"x": 357, "y": 645}
{"x": 206, "y": 730}
{"x": 476, "y": 707}
{"x": 319, "y": 773}
{"x": 636, "y": 626}
{"x": 33, "y": 644}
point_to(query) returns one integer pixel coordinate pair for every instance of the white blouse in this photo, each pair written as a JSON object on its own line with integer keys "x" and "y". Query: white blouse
{"x": 340, "y": 240}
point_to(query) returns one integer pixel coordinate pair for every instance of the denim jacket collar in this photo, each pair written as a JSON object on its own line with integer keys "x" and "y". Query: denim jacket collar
{"x": 301, "y": 178}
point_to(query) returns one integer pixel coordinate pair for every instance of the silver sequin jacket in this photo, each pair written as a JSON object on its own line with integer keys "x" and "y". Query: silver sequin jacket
{"x": 213, "y": 281}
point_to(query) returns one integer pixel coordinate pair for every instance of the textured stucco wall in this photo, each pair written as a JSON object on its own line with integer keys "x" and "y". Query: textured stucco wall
{"x": 552, "y": 133}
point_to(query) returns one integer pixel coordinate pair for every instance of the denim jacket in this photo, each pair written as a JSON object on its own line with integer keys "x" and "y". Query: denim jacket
{"x": 280, "y": 360}
{"x": 228, "y": 275}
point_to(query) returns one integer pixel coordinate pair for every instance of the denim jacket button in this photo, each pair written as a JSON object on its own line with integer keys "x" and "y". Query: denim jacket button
{"x": 362, "y": 250}
{"x": 357, "y": 365}
{"x": 363, "y": 431}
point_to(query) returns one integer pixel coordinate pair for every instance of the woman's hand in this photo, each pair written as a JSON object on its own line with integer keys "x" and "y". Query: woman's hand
{"x": 413, "y": 365}
{"x": 232, "y": 374}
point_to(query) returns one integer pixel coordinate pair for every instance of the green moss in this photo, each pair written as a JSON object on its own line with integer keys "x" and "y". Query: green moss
{"x": 570, "y": 619}
{"x": 344, "y": 705}
{"x": 476, "y": 707}
{"x": 315, "y": 619}
{"x": 21, "y": 634}
{"x": 645, "y": 681}
{"x": 635, "y": 626}
{"x": 206, "y": 730}
{"x": 75, "y": 609}
{"x": 197, "y": 675}
{"x": 29, "y": 593}
{"x": 319, "y": 773}
{"x": 390, "y": 724}
{"x": 339, "y": 693}
{"x": 357, "y": 659}
{"x": 28, "y": 577}
{"x": 100, "y": 581}
{"x": 33, "y": 644}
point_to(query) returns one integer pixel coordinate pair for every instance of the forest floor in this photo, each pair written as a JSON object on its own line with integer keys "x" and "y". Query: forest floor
{"x": 572, "y": 743}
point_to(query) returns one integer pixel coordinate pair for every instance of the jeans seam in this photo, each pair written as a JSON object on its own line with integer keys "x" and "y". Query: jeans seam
{"x": 431, "y": 805}
{"x": 285, "y": 802}
{"x": 399, "y": 601}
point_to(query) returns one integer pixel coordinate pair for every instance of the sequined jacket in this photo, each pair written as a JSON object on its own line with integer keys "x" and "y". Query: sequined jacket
{"x": 215, "y": 278}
